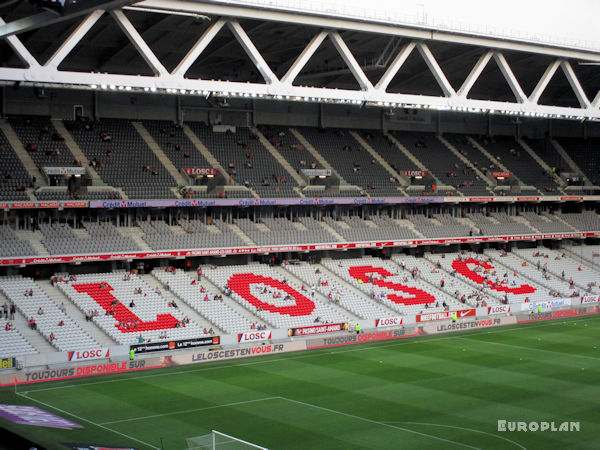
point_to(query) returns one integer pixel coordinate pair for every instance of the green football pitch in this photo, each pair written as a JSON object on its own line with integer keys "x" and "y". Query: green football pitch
{"x": 444, "y": 391}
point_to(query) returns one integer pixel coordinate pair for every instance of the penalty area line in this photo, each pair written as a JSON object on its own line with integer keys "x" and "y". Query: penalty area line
{"x": 463, "y": 428}
{"x": 87, "y": 420}
{"x": 431, "y": 436}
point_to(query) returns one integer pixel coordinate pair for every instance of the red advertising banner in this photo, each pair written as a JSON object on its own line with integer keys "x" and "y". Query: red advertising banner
{"x": 88, "y": 354}
{"x": 498, "y": 309}
{"x": 318, "y": 329}
{"x": 590, "y": 299}
{"x": 253, "y": 336}
{"x": 501, "y": 174}
{"x": 445, "y": 315}
{"x": 283, "y": 248}
{"x": 415, "y": 173}
{"x": 200, "y": 171}
{"x": 388, "y": 322}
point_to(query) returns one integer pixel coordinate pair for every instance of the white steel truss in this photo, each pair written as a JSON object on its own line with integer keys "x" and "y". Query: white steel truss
{"x": 175, "y": 82}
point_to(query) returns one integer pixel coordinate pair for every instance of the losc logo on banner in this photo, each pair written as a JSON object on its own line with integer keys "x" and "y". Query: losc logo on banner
{"x": 388, "y": 322}
{"x": 254, "y": 336}
{"x": 498, "y": 309}
{"x": 589, "y": 299}
{"x": 84, "y": 355}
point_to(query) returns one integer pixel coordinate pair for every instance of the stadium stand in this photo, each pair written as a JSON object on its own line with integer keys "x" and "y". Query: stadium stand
{"x": 518, "y": 161}
{"x": 11, "y": 245}
{"x": 41, "y": 140}
{"x": 478, "y": 271}
{"x": 211, "y": 305}
{"x": 354, "y": 164}
{"x": 337, "y": 291}
{"x": 122, "y": 158}
{"x": 151, "y": 316}
{"x": 14, "y": 176}
{"x": 35, "y": 304}
{"x": 266, "y": 294}
{"x": 376, "y": 278}
{"x": 60, "y": 239}
{"x": 583, "y": 152}
{"x": 248, "y": 162}
{"x": 449, "y": 169}
{"x": 12, "y": 342}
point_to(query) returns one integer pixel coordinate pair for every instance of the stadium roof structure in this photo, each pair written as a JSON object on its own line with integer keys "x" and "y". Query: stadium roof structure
{"x": 234, "y": 49}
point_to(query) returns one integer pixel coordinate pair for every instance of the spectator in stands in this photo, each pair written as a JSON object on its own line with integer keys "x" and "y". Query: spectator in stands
{"x": 32, "y": 323}
{"x": 52, "y": 337}
{"x": 12, "y": 311}
{"x": 61, "y": 323}
{"x": 40, "y": 311}
{"x": 132, "y": 304}
{"x": 9, "y": 327}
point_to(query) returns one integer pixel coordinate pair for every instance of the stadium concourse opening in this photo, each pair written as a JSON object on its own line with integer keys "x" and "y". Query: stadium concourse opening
{"x": 212, "y": 213}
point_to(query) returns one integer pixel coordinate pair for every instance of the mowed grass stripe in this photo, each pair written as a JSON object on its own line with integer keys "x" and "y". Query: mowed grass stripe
{"x": 426, "y": 380}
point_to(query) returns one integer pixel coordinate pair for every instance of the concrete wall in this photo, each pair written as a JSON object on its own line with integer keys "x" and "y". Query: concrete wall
{"x": 243, "y": 112}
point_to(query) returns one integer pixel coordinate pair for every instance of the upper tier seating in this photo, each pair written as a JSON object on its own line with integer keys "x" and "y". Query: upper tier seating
{"x": 447, "y": 226}
{"x": 191, "y": 234}
{"x": 122, "y": 158}
{"x": 351, "y": 160}
{"x": 203, "y": 301}
{"x": 68, "y": 336}
{"x": 546, "y": 223}
{"x": 45, "y": 146}
{"x": 11, "y": 245}
{"x": 60, "y": 239}
{"x": 585, "y": 154}
{"x": 266, "y": 294}
{"x": 14, "y": 176}
{"x": 442, "y": 162}
{"x": 377, "y": 228}
{"x": 519, "y": 162}
{"x": 151, "y": 317}
{"x": 283, "y": 231}
{"x": 247, "y": 160}
{"x": 499, "y": 224}
{"x": 584, "y": 221}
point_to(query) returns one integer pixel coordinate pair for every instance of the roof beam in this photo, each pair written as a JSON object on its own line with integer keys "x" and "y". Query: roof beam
{"x": 252, "y": 52}
{"x": 394, "y": 67}
{"x": 50, "y": 17}
{"x": 575, "y": 85}
{"x": 474, "y": 74}
{"x": 24, "y": 55}
{"x": 596, "y": 101}
{"x": 69, "y": 44}
{"x": 510, "y": 77}
{"x": 544, "y": 80}
{"x": 301, "y": 61}
{"x": 350, "y": 61}
{"x": 367, "y": 25}
{"x": 193, "y": 54}
{"x": 139, "y": 43}
{"x": 437, "y": 72}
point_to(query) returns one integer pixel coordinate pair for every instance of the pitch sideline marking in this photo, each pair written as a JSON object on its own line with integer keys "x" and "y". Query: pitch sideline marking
{"x": 528, "y": 348}
{"x": 187, "y": 411}
{"x": 87, "y": 420}
{"x": 378, "y": 423}
{"x": 376, "y": 345}
{"x": 463, "y": 428}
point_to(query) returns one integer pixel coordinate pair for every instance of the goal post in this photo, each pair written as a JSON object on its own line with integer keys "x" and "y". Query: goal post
{"x": 219, "y": 441}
